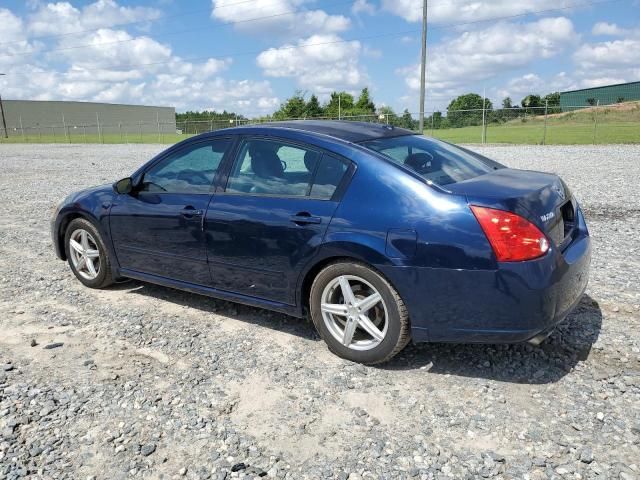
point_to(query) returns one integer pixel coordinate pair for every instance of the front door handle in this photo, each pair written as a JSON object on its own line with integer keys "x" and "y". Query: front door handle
{"x": 190, "y": 212}
{"x": 304, "y": 218}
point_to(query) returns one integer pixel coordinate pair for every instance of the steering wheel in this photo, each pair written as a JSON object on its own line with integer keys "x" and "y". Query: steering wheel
{"x": 420, "y": 162}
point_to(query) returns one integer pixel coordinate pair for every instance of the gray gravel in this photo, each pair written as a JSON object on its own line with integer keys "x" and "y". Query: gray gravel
{"x": 149, "y": 382}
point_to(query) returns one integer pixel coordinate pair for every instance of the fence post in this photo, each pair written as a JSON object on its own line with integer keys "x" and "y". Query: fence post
{"x": 432, "y": 115}
{"x": 595, "y": 122}
{"x": 120, "y": 128}
{"x": 158, "y": 123}
{"x": 22, "y": 128}
{"x": 53, "y": 130}
{"x": 140, "y": 126}
{"x": 66, "y": 132}
{"x": 544, "y": 135}
{"x": 98, "y": 123}
{"x": 484, "y": 131}
{"x": 84, "y": 133}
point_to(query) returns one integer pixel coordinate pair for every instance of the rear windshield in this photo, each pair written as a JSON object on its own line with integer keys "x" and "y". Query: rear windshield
{"x": 436, "y": 161}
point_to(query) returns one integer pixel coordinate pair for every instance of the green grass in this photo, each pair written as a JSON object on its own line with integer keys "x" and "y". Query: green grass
{"x": 167, "y": 138}
{"x": 568, "y": 134}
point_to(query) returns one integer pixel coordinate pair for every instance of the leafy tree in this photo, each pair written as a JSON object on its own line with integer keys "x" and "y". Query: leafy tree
{"x": 531, "y": 101}
{"x": 434, "y": 120}
{"x": 506, "y": 102}
{"x": 293, "y": 107}
{"x": 365, "y": 105}
{"x": 202, "y": 121}
{"x": 467, "y": 109}
{"x": 592, "y": 101}
{"x": 313, "y": 108}
{"x": 339, "y": 101}
{"x": 552, "y": 100}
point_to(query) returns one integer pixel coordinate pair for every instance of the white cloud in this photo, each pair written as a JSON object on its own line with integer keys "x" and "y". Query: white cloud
{"x": 478, "y": 55}
{"x": 114, "y": 65}
{"x": 605, "y": 63}
{"x": 609, "y": 29}
{"x": 62, "y": 17}
{"x": 363, "y": 6}
{"x": 519, "y": 87}
{"x": 277, "y": 17}
{"x": 468, "y": 10}
{"x": 322, "y": 67}
{"x": 13, "y": 40}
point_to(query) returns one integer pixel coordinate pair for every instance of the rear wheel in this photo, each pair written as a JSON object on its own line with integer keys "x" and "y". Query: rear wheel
{"x": 87, "y": 255}
{"x": 358, "y": 313}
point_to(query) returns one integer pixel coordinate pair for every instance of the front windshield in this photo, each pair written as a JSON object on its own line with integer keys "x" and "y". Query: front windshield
{"x": 436, "y": 161}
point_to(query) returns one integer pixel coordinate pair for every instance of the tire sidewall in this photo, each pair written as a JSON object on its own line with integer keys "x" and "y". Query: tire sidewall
{"x": 394, "y": 329}
{"x": 104, "y": 274}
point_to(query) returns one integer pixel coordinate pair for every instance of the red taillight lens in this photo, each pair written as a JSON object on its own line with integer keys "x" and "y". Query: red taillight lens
{"x": 512, "y": 237}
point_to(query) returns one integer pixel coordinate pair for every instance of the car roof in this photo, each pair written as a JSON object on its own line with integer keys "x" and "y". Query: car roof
{"x": 342, "y": 129}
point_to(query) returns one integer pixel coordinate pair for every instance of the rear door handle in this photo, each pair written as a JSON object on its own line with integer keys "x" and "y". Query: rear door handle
{"x": 304, "y": 218}
{"x": 190, "y": 212}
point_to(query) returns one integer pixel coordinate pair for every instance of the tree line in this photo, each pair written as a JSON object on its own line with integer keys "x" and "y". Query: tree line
{"x": 464, "y": 110}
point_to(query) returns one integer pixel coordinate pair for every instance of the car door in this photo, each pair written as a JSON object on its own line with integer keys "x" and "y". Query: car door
{"x": 158, "y": 228}
{"x": 272, "y": 215}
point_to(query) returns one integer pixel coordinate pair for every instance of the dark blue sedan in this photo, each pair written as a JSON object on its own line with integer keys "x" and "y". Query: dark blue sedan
{"x": 381, "y": 235}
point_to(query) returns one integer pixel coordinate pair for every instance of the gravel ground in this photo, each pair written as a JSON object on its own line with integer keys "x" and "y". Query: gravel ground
{"x": 140, "y": 381}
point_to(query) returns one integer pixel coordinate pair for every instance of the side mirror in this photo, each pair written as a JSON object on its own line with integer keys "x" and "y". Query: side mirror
{"x": 123, "y": 186}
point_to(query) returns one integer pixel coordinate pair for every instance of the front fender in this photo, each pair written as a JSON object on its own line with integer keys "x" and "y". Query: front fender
{"x": 93, "y": 205}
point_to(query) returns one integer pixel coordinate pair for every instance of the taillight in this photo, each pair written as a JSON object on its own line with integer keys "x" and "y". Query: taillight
{"x": 512, "y": 237}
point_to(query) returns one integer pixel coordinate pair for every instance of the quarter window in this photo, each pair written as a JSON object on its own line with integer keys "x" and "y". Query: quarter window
{"x": 327, "y": 177}
{"x": 190, "y": 170}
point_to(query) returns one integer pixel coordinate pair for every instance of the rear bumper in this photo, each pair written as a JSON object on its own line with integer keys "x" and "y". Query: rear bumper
{"x": 511, "y": 304}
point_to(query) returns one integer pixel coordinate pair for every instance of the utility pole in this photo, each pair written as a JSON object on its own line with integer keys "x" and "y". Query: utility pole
{"x": 423, "y": 64}
{"x": 4, "y": 122}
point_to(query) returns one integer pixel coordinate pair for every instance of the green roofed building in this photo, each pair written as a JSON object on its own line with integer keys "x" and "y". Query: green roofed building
{"x": 606, "y": 95}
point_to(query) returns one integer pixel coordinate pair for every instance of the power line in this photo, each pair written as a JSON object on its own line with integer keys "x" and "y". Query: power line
{"x": 124, "y": 68}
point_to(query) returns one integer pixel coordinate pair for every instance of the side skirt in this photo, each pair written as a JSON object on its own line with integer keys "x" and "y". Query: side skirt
{"x": 212, "y": 292}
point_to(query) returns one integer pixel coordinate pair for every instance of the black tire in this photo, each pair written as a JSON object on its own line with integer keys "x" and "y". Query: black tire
{"x": 104, "y": 277}
{"x": 398, "y": 331}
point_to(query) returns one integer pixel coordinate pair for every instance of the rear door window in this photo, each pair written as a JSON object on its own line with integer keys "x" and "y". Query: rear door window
{"x": 279, "y": 168}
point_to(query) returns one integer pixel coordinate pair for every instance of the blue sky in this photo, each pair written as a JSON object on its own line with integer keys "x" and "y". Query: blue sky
{"x": 249, "y": 55}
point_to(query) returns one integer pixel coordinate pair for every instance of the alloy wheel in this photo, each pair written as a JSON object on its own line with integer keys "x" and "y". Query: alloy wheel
{"x": 354, "y": 312}
{"x": 84, "y": 254}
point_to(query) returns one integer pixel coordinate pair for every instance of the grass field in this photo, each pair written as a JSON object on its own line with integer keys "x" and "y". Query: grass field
{"x": 567, "y": 134}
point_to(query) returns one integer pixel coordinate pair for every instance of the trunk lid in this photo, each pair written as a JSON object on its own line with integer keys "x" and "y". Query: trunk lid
{"x": 541, "y": 198}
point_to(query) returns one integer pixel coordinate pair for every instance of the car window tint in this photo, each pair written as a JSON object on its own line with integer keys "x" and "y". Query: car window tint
{"x": 327, "y": 178}
{"x": 190, "y": 170}
{"x": 272, "y": 167}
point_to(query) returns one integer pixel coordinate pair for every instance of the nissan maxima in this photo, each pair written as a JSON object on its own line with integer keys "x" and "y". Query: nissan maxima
{"x": 381, "y": 235}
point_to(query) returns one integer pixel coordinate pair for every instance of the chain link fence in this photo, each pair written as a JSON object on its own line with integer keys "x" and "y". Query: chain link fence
{"x": 618, "y": 123}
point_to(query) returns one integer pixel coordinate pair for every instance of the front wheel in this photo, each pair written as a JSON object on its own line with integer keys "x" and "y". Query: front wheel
{"x": 358, "y": 313}
{"x": 87, "y": 254}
